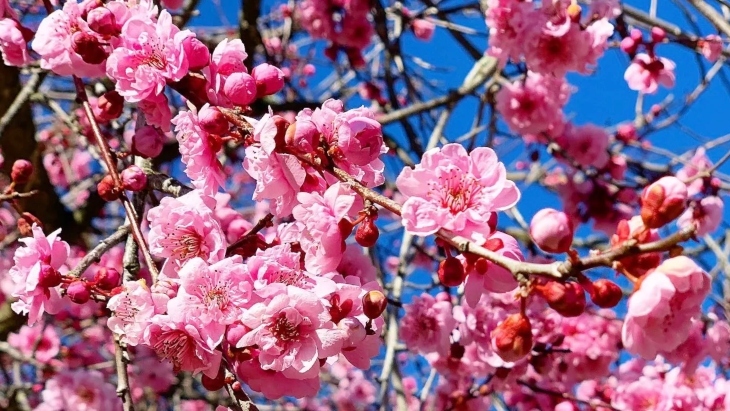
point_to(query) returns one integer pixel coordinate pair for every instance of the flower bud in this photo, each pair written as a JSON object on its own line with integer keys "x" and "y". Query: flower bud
{"x": 626, "y": 133}
{"x": 423, "y": 29}
{"x": 568, "y": 299}
{"x": 48, "y": 276}
{"x": 552, "y": 231}
{"x": 269, "y": 79}
{"x": 240, "y": 88}
{"x": 107, "y": 278}
{"x": 134, "y": 178}
{"x": 197, "y": 53}
{"x": 663, "y": 201}
{"x": 88, "y": 47}
{"x": 110, "y": 106}
{"x": 512, "y": 339}
{"x": 21, "y": 171}
{"x": 215, "y": 383}
{"x": 605, "y": 293}
{"x": 213, "y": 121}
{"x": 636, "y": 35}
{"x": 78, "y": 292}
{"x": 374, "y": 303}
{"x": 102, "y": 21}
{"x": 629, "y": 45}
{"x": 451, "y": 272}
{"x": 658, "y": 34}
{"x": 108, "y": 191}
{"x": 147, "y": 142}
{"x": 367, "y": 232}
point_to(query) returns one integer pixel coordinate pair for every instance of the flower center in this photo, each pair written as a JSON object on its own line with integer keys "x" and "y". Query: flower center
{"x": 283, "y": 329}
{"x": 173, "y": 346}
{"x": 186, "y": 244}
{"x": 455, "y": 191}
{"x": 86, "y": 395}
{"x": 217, "y": 295}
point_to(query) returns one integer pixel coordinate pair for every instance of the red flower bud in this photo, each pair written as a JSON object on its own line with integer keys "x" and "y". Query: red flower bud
{"x": 110, "y": 106}
{"x": 103, "y": 21}
{"x": 658, "y": 34}
{"x": 21, "y": 171}
{"x": 107, "y": 278}
{"x": 373, "y": 304}
{"x": 107, "y": 190}
{"x": 197, "y": 53}
{"x": 367, "y": 232}
{"x": 451, "y": 272}
{"x": 213, "y": 121}
{"x": 216, "y": 383}
{"x": 605, "y": 293}
{"x": 663, "y": 201}
{"x": 512, "y": 339}
{"x": 48, "y": 276}
{"x": 78, "y": 292}
{"x": 240, "y": 88}
{"x": 568, "y": 299}
{"x": 269, "y": 79}
{"x": 88, "y": 47}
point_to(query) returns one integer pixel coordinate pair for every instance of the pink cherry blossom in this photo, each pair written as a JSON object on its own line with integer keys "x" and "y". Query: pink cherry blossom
{"x": 156, "y": 109}
{"x": 427, "y": 325}
{"x": 711, "y": 47}
{"x": 273, "y": 384}
{"x": 699, "y": 163}
{"x": 706, "y": 215}
{"x": 587, "y": 145}
{"x": 213, "y": 295}
{"x": 133, "y": 309}
{"x": 184, "y": 345}
{"x": 293, "y": 331}
{"x": 456, "y": 191}
{"x": 323, "y": 241}
{"x": 40, "y": 342}
{"x": 660, "y": 312}
{"x": 226, "y": 60}
{"x": 54, "y": 42}
{"x": 534, "y": 105}
{"x": 185, "y": 227}
{"x": 494, "y": 279}
{"x": 645, "y": 74}
{"x": 552, "y": 230}
{"x": 39, "y": 253}
{"x": 149, "y": 56}
{"x": 718, "y": 336}
{"x": 199, "y": 152}
{"x": 79, "y": 390}
{"x": 13, "y": 43}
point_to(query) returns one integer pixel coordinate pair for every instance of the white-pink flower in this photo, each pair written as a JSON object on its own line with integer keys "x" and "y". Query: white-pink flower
{"x": 184, "y": 345}
{"x": 456, "y": 191}
{"x": 645, "y": 74}
{"x": 79, "y": 390}
{"x": 13, "y": 43}
{"x": 427, "y": 325}
{"x": 150, "y": 54}
{"x": 133, "y": 309}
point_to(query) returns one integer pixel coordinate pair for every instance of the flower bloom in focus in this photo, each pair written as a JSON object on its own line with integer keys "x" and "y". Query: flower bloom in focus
{"x": 455, "y": 190}
{"x": 660, "y": 312}
{"x": 645, "y": 74}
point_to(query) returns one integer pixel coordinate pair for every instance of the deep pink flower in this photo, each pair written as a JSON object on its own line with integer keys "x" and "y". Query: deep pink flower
{"x": 226, "y": 60}
{"x": 587, "y": 144}
{"x": 456, "y": 191}
{"x": 41, "y": 342}
{"x": 706, "y": 215}
{"x": 199, "y": 152}
{"x": 54, "y": 42}
{"x": 133, "y": 309}
{"x": 660, "y": 312}
{"x": 535, "y": 104}
{"x": 274, "y": 384}
{"x": 185, "y": 227}
{"x": 79, "y": 390}
{"x": 13, "y": 43}
{"x": 293, "y": 331}
{"x": 149, "y": 56}
{"x": 427, "y": 325}
{"x": 645, "y": 74}
{"x": 183, "y": 345}
{"x": 40, "y": 254}
{"x": 322, "y": 238}
{"x": 552, "y": 230}
{"x": 359, "y": 137}
{"x": 212, "y": 295}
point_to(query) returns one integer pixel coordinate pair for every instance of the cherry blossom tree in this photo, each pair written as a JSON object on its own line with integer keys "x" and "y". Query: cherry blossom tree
{"x": 310, "y": 210}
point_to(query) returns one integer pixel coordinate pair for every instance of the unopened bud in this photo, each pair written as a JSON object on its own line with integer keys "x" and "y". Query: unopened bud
{"x": 663, "y": 201}
{"x": 367, "y": 232}
{"x": 197, "y": 53}
{"x": 269, "y": 79}
{"x": 451, "y": 272}
{"x": 78, "y": 292}
{"x": 240, "y": 88}
{"x": 102, "y": 21}
{"x": 21, "y": 172}
{"x": 373, "y": 304}
{"x": 512, "y": 339}
{"x": 215, "y": 383}
{"x": 108, "y": 191}
{"x": 568, "y": 299}
{"x": 107, "y": 278}
{"x": 552, "y": 231}
{"x": 88, "y": 47}
{"x": 658, "y": 34}
{"x": 605, "y": 293}
{"x": 134, "y": 178}
{"x": 629, "y": 45}
{"x": 110, "y": 106}
{"x": 213, "y": 121}
{"x": 147, "y": 142}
